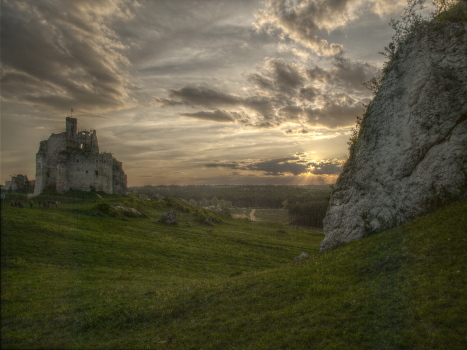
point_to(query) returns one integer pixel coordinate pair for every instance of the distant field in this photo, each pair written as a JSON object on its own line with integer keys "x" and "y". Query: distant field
{"x": 272, "y": 215}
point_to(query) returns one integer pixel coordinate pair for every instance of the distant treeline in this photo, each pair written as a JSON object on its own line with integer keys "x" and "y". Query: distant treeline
{"x": 306, "y": 204}
{"x": 308, "y": 213}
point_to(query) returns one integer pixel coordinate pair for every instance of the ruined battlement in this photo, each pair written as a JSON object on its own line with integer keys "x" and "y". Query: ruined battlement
{"x": 71, "y": 160}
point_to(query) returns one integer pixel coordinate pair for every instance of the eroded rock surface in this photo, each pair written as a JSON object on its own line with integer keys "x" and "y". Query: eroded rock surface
{"x": 411, "y": 155}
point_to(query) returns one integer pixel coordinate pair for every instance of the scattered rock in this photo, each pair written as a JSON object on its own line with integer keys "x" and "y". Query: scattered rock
{"x": 169, "y": 218}
{"x": 301, "y": 257}
{"x": 131, "y": 212}
{"x": 209, "y": 221}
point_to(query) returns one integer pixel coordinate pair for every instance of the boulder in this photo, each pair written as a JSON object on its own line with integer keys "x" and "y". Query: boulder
{"x": 169, "y": 218}
{"x": 301, "y": 257}
{"x": 411, "y": 154}
{"x": 126, "y": 211}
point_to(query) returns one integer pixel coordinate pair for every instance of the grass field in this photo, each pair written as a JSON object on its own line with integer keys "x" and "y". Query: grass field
{"x": 74, "y": 277}
{"x": 271, "y": 215}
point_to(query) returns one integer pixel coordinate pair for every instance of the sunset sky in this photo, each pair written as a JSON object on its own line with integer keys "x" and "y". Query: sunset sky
{"x": 192, "y": 91}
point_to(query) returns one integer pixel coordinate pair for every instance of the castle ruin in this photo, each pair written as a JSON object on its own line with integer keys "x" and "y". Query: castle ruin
{"x": 71, "y": 161}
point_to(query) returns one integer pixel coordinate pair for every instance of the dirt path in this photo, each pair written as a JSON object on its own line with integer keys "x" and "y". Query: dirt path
{"x": 252, "y": 215}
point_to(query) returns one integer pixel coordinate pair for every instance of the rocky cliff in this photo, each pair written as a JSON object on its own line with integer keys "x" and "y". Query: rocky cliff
{"x": 411, "y": 154}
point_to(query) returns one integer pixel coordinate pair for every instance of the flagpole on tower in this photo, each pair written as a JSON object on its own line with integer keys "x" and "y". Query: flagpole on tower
{"x": 71, "y": 115}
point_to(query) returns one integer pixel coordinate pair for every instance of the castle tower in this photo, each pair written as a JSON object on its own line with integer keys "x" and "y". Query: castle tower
{"x": 71, "y": 125}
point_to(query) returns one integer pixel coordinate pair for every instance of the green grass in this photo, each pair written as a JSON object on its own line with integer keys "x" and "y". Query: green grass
{"x": 270, "y": 215}
{"x": 73, "y": 277}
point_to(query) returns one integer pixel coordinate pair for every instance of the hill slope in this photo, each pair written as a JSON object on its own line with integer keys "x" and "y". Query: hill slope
{"x": 74, "y": 278}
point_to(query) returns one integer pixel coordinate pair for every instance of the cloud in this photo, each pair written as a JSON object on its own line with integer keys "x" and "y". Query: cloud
{"x": 272, "y": 167}
{"x": 233, "y": 165}
{"x": 302, "y": 131}
{"x": 280, "y": 166}
{"x": 286, "y": 166}
{"x": 285, "y": 92}
{"x": 63, "y": 54}
{"x": 203, "y": 96}
{"x": 339, "y": 110}
{"x": 304, "y": 21}
{"x": 327, "y": 167}
{"x": 286, "y": 76}
{"x": 351, "y": 73}
{"x": 217, "y": 116}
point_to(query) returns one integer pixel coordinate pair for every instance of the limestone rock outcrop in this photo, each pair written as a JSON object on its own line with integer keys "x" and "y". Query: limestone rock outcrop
{"x": 411, "y": 154}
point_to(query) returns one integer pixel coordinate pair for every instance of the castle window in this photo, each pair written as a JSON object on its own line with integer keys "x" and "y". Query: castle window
{"x": 77, "y": 160}
{"x": 80, "y": 146}
{"x": 97, "y": 173}
{"x": 86, "y": 171}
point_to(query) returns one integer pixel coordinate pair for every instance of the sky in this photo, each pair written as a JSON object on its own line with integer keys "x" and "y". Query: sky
{"x": 193, "y": 91}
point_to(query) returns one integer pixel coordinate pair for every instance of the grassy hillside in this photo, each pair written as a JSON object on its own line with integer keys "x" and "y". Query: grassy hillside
{"x": 75, "y": 277}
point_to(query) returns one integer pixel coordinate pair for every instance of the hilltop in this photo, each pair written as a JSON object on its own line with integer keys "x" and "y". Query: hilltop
{"x": 81, "y": 276}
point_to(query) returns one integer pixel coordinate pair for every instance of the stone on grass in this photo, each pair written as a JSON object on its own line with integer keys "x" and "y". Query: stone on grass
{"x": 169, "y": 218}
{"x": 301, "y": 257}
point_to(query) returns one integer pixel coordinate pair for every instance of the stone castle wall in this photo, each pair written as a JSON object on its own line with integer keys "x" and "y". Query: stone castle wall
{"x": 71, "y": 160}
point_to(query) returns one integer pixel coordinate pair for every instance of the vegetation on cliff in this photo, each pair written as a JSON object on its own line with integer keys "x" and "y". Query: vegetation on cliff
{"x": 445, "y": 11}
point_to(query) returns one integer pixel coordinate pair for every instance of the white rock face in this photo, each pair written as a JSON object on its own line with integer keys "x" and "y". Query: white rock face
{"x": 411, "y": 154}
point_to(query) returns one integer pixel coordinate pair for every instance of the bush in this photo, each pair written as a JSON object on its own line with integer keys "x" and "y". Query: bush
{"x": 204, "y": 217}
{"x": 107, "y": 209}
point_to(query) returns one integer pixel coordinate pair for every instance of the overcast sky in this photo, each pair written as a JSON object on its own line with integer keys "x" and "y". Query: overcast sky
{"x": 192, "y": 91}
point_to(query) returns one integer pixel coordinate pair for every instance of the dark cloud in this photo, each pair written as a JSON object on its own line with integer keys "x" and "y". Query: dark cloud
{"x": 302, "y": 131}
{"x": 272, "y": 167}
{"x": 217, "y": 116}
{"x": 63, "y": 54}
{"x": 278, "y": 75}
{"x": 309, "y": 93}
{"x": 291, "y": 113}
{"x": 200, "y": 95}
{"x": 264, "y": 105}
{"x": 261, "y": 81}
{"x": 339, "y": 110}
{"x": 345, "y": 73}
{"x": 352, "y": 74}
{"x": 286, "y": 92}
{"x": 233, "y": 165}
{"x": 281, "y": 166}
{"x": 294, "y": 165}
{"x": 287, "y": 76}
{"x": 304, "y": 21}
{"x": 318, "y": 74}
{"x": 328, "y": 167}
{"x": 203, "y": 96}
{"x": 165, "y": 102}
